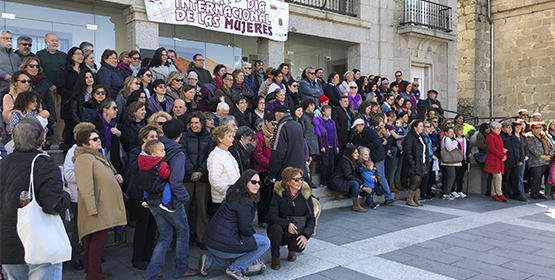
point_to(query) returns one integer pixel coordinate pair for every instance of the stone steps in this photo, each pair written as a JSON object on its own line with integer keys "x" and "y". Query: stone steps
{"x": 327, "y": 198}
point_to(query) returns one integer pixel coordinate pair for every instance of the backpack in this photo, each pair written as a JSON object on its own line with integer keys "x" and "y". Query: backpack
{"x": 149, "y": 181}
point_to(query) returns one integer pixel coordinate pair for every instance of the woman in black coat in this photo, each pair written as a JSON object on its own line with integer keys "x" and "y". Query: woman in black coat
{"x": 105, "y": 123}
{"x": 331, "y": 90}
{"x": 133, "y": 121}
{"x": 346, "y": 178}
{"x": 230, "y": 236}
{"x": 90, "y": 107}
{"x": 291, "y": 198}
{"x": 416, "y": 160}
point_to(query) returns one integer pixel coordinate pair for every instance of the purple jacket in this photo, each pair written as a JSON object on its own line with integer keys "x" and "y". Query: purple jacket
{"x": 153, "y": 105}
{"x": 322, "y": 133}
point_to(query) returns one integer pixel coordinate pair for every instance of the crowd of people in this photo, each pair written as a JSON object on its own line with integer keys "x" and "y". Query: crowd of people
{"x": 200, "y": 153}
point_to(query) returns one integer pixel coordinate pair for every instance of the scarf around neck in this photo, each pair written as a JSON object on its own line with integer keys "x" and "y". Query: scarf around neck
{"x": 107, "y": 133}
{"x": 36, "y": 79}
{"x": 267, "y": 136}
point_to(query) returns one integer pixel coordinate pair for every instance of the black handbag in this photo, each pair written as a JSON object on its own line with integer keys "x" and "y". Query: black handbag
{"x": 480, "y": 157}
{"x": 298, "y": 221}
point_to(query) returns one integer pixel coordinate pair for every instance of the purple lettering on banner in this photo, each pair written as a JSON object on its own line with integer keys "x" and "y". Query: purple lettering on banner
{"x": 262, "y": 6}
{"x": 249, "y": 27}
{"x": 228, "y": 23}
{"x": 270, "y": 31}
{"x": 257, "y": 28}
{"x": 250, "y": 4}
{"x": 209, "y": 8}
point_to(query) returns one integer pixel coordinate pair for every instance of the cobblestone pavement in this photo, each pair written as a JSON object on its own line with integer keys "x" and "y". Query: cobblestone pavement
{"x": 468, "y": 238}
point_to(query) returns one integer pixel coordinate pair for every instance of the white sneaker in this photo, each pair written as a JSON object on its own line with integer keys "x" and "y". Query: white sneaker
{"x": 462, "y": 195}
{"x": 448, "y": 197}
{"x": 455, "y": 195}
{"x": 144, "y": 204}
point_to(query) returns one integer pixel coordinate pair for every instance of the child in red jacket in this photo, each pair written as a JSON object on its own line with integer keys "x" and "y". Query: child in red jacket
{"x": 148, "y": 159}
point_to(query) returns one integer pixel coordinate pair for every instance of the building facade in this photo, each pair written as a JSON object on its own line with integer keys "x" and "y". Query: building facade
{"x": 376, "y": 36}
{"x": 522, "y": 58}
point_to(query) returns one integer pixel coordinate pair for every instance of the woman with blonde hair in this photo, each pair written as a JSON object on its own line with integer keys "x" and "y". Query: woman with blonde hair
{"x": 175, "y": 84}
{"x": 20, "y": 82}
{"x": 158, "y": 119}
{"x": 130, "y": 85}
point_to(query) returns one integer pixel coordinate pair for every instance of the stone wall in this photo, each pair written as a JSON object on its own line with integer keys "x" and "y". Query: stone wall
{"x": 524, "y": 57}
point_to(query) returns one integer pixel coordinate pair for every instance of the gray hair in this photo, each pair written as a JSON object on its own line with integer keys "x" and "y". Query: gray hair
{"x": 244, "y": 131}
{"x": 425, "y": 123}
{"x": 24, "y": 38}
{"x": 222, "y": 106}
{"x": 28, "y": 134}
{"x": 308, "y": 68}
{"x": 363, "y": 149}
{"x": 353, "y": 84}
{"x": 246, "y": 64}
{"x": 347, "y": 74}
{"x": 192, "y": 73}
{"x": 84, "y": 45}
{"x": 225, "y": 120}
{"x": 495, "y": 125}
{"x": 4, "y": 31}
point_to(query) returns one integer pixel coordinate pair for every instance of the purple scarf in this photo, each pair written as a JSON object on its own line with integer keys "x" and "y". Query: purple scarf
{"x": 107, "y": 133}
{"x": 319, "y": 129}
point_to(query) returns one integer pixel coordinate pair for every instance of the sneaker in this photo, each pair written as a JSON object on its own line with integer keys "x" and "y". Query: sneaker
{"x": 144, "y": 204}
{"x": 448, "y": 197}
{"x": 168, "y": 207}
{"x": 420, "y": 199}
{"x": 237, "y": 275}
{"x": 388, "y": 202}
{"x": 462, "y": 195}
{"x": 254, "y": 269}
{"x": 436, "y": 188}
{"x": 202, "y": 265}
{"x": 455, "y": 195}
{"x": 375, "y": 206}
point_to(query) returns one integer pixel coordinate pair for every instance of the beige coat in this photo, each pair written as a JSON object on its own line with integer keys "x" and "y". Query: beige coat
{"x": 100, "y": 198}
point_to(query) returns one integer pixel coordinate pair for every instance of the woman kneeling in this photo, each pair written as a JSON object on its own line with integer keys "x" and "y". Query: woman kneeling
{"x": 230, "y": 235}
{"x": 290, "y": 217}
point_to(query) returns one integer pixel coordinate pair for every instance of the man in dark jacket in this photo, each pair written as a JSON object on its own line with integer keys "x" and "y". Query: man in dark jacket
{"x": 204, "y": 76}
{"x": 515, "y": 158}
{"x": 431, "y": 102}
{"x": 288, "y": 147}
{"x": 197, "y": 143}
{"x": 177, "y": 220}
{"x": 15, "y": 171}
{"x": 369, "y": 138}
{"x": 343, "y": 118}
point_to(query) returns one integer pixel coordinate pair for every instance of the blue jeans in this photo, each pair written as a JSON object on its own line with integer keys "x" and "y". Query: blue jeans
{"x": 521, "y": 177}
{"x": 354, "y": 189}
{"x": 237, "y": 261}
{"x": 166, "y": 223}
{"x": 393, "y": 164}
{"x": 45, "y": 271}
{"x": 380, "y": 175}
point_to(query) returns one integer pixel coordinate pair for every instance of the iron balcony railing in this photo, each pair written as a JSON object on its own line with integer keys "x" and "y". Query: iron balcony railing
{"x": 428, "y": 14}
{"x": 344, "y": 7}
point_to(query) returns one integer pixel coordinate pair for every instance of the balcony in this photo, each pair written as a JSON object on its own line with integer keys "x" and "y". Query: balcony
{"x": 344, "y": 7}
{"x": 427, "y": 14}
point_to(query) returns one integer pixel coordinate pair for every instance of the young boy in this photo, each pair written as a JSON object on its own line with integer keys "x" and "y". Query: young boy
{"x": 379, "y": 127}
{"x": 368, "y": 175}
{"x": 148, "y": 159}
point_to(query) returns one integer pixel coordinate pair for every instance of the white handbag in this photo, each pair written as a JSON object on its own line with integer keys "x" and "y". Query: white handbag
{"x": 43, "y": 235}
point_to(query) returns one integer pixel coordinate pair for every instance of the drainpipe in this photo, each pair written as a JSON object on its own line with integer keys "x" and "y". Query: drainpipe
{"x": 491, "y": 59}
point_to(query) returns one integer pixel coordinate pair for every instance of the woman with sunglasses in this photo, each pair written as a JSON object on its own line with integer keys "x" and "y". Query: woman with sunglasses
{"x": 159, "y": 101}
{"x": 291, "y": 215}
{"x": 292, "y": 93}
{"x": 146, "y": 81}
{"x": 538, "y": 149}
{"x": 100, "y": 200}
{"x": 348, "y": 77}
{"x": 209, "y": 121}
{"x": 130, "y": 85}
{"x": 175, "y": 84}
{"x": 105, "y": 123}
{"x": 230, "y": 236}
{"x": 134, "y": 62}
{"x": 20, "y": 82}
{"x": 40, "y": 85}
{"x": 354, "y": 98}
{"x": 99, "y": 93}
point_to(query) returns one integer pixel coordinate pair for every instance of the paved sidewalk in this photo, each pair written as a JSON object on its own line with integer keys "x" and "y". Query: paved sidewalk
{"x": 468, "y": 238}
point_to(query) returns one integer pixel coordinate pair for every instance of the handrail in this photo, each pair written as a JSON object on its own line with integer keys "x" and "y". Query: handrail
{"x": 428, "y": 14}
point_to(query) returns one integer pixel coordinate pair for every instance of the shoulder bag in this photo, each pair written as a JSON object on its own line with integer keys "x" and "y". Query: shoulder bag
{"x": 453, "y": 156}
{"x": 43, "y": 235}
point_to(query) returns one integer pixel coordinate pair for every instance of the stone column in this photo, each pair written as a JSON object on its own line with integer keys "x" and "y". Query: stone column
{"x": 141, "y": 33}
{"x": 271, "y": 52}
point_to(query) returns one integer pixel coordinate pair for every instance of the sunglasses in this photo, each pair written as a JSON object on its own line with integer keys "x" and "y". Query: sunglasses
{"x": 33, "y": 66}
{"x": 398, "y": 76}
{"x": 136, "y": 58}
{"x": 209, "y": 119}
{"x": 250, "y": 68}
{"x": 95, "y": 139}
{"x": 98, "y": 92}
{"x": 199, "y": 59}
{"x": 254, "y": 182}
{"x": 427, "y": 126}
{"x": 297, "y": 179}
{"x": 435, "y": 121}
{"x": 311, "y": 73}
{"x": 148, "y": 75}
{"x": 295, "y": 86}
{"x": 24, "y": 81}
{"x": 537, "y": 127}
{"x": 162, "y": 86}
{"x": 160, "y": 123}
{"x": 449, "y": 123}
{"x": 353, "y": 87}
{"x": 138, "y": 84}
{"x": 179, "y": 80}
{"x": 115, "y": 108}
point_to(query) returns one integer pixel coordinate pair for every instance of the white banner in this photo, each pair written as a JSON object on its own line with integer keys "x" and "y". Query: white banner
{"x": 269, "y": 18}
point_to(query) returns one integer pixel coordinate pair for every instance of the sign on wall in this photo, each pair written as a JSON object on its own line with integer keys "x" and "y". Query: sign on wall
{"x": 267, "y": 18}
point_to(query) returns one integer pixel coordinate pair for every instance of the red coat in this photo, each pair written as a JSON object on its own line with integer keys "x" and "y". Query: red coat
{"x": 261, "y": 154}
{"x": 495, "y": 154}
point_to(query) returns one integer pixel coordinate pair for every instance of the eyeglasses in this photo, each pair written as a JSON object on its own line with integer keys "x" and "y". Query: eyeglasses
{"x": 138, "y": 84}
{"x": 397, "y": 76}
{"x": 209, "y": 119}
{"x": 160, "y": 123}
{"x": 24, "y": 81}
{"x": 136, "y": 58}
{"x": 449, "y": 123}
{"x": 179, "y": 80}
{"x": 526, "y": 115}
{"x": 353, "y": 87}
{"x": 26, "y": 44}
{"x": 274, "y": 124}
{"x": 99, "y": 92}
{"x": 297, "y": 179}
{"x": 95, "y": 139}
{"x": 115, "y": 108}
{"x": 231, "y": 80}
{"x": 78, "y": 54}
{"x": 33, "y": 66}
{"x": 435, "y": 121}
{"x": 199, "y": 59}
{"x": 6, "y": 38}
{"x": 254, "y": 182}
{"x": 192, "y": 79}
{"x": 162, "y": 86}
{"x": 148, "y": 75}
{"x": 295, "y": 86}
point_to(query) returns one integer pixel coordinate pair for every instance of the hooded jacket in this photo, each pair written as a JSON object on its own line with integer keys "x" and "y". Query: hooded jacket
{"x": 108, "y": 76}
{"x": 100, "y": 198}
{"x": 282, "y": 206}
{"x": 15, "y": 171}
{"x": 198, "y": 147}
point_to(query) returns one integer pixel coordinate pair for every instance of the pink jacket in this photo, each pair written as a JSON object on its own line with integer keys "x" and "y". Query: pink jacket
{"x": 551, "y": 178}
{"x": 261, "y": 154}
